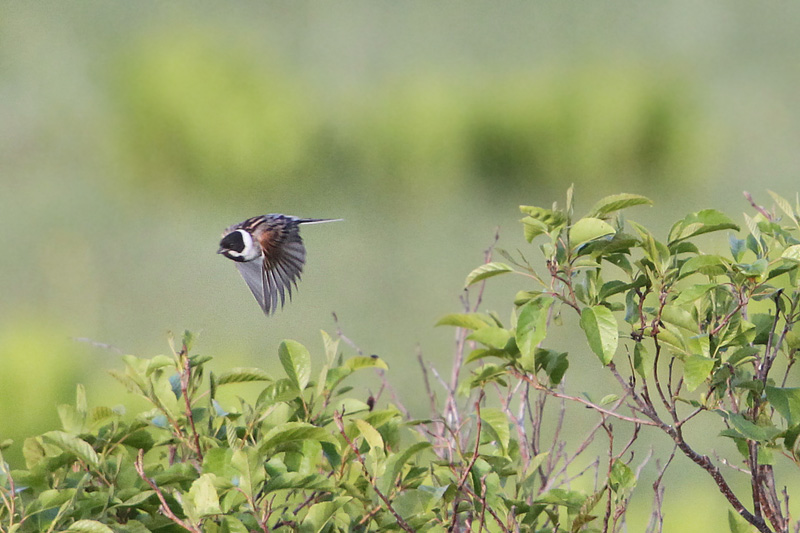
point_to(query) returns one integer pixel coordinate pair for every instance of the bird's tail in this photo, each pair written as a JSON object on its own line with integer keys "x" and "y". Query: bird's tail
{"x": 318, "y": 220}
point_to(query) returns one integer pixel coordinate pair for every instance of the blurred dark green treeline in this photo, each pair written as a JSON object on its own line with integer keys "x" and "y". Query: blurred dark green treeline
{"x": 198, "y": 114}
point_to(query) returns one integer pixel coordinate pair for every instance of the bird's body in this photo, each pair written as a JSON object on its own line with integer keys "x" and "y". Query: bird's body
{"x": 269, "y": 254}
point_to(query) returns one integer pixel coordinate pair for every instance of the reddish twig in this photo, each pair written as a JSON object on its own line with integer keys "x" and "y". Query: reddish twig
{"x": 337, "y": 417}
{"x": 138, "y": 464}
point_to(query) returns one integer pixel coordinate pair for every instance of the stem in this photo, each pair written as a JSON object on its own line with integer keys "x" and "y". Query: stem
{"x": 337, "y": 417}
{"x": 139, "y": 465}
{"x": 185, "y": 378}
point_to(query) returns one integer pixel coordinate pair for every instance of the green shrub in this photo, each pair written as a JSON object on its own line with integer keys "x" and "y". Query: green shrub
{"x": 689, "y": 338}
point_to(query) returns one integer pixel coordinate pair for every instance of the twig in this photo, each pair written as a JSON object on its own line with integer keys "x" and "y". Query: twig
{"x": 97, "y": 344}
{"x": 494, "y": 515}
{"x": 342, "y": 336}
{"x": 185, "y": 377}
{"x": 535, "y": 382}
{"x": 757, "y": 207}
{"x": 337, "y": 417}
{"x": 138, "y": 464}
{"x": 656, "y": 522}
{"x": 610, "y": 433}
{"x": 730, "y": 465}
{"x": 569, "y": 460}
{"x": 471, "y": 464}
{"x": 701, "y": 460}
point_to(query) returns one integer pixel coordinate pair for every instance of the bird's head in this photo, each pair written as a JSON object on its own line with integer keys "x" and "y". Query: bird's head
{"x": 239, "y": 246}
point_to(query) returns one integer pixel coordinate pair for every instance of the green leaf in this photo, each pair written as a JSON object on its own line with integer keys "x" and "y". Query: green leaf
{"x": 231, "y": 524}
{"x": 792, "y": 252}
{"x": 90, "y": 526}
{"x": 396, "y": 463}
{"x": 694, "y": 292}
{"x": 296, "y": 362}
{"x": 491, "y": 336}
{"x": 331, "y": 346}
{"x": 242, "y": 375}
{"x": 320, "y": 514}
{"x": 412, "y": 502}
{"x": 532, "y": 228}
{"x": 249, "y": 468}
{"x": 370, "y": 434}
{"x": 708, "y": 265}
{"x": 632, "y": 315}
{"x": 555, "y": 364}
{"x": 72, "y": 421}
{"x": 202, "y": 499}
{"x": 757, "y": 269}
{"x": 137, "y": 498}
{"x": 696, "y": 370}
{"x": 704, "y": 221}
{"x": 601, "y": 331}
{"x": 787, "y": 402}
{"x": 615, "y": 202}
{"x": 532, "y": 328}
{"x": 737, "y": 246}
{"x": 642, "y": 360}
{"x": 588, "y": 229}
{"x": 496, "y": 427}
{"x": 487, "y": 271}
{"x": 290, "y": 432}
{"x": 295, "y": 480}
{"x": 752, "y": 431}
{"x": 783, "y": 205}
{"x": 679, "y": 317}
{"x": 464, "y": 320}
{"x": 608, "y": 399}
{"x": 72, "y": 444}
{"x": 552, "y": 219}
{"x": 365, "y": 361}
{"x": 616, "y": 286}
{"x": 621, "y": 477}
{"x": 654, "y": 250}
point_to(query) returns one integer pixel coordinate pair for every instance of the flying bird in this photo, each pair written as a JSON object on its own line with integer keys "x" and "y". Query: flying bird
{"x": 269, "y": 254}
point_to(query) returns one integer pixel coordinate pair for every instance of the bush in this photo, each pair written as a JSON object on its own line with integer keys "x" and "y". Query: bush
{"x": 685, "y": 335}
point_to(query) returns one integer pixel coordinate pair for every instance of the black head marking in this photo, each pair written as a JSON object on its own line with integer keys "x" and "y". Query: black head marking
{"x": 232, "y": 241}
{"x": 233, "y": 245}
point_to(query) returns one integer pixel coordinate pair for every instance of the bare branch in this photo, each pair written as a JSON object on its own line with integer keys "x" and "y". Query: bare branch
{"x": 538, "y": 386}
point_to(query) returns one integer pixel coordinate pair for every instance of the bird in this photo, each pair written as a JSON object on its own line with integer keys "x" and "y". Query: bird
{"x": 269, "y": 253}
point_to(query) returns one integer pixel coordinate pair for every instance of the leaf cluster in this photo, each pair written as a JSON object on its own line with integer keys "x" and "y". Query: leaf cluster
{"x": 686, "y": 333}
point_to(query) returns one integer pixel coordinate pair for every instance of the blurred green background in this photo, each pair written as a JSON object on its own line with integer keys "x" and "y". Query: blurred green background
{"x": 132, "y": 133}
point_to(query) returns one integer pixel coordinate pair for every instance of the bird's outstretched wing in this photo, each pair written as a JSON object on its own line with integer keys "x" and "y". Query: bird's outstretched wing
{"x": 253, "y": 274}
{"x": 283, "y": 255}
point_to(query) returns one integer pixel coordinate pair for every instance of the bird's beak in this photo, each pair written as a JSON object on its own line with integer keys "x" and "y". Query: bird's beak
{"x": 221, "y": 250}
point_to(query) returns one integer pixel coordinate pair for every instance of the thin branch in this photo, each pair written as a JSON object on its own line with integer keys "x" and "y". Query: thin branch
{"x": 471, "y": 464}
{"x": 757, "y": 207}
{"x": 656, "y": 523}
{"x": 701, "y": 460}
{"x": 731, "y": 465}
{"x": 337, "y": 417}
{"x": 342, "y": 336}
{"x": 186, "y": 376}
{"x": 538, "y": 386}
{"x": 138, "y": 464}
